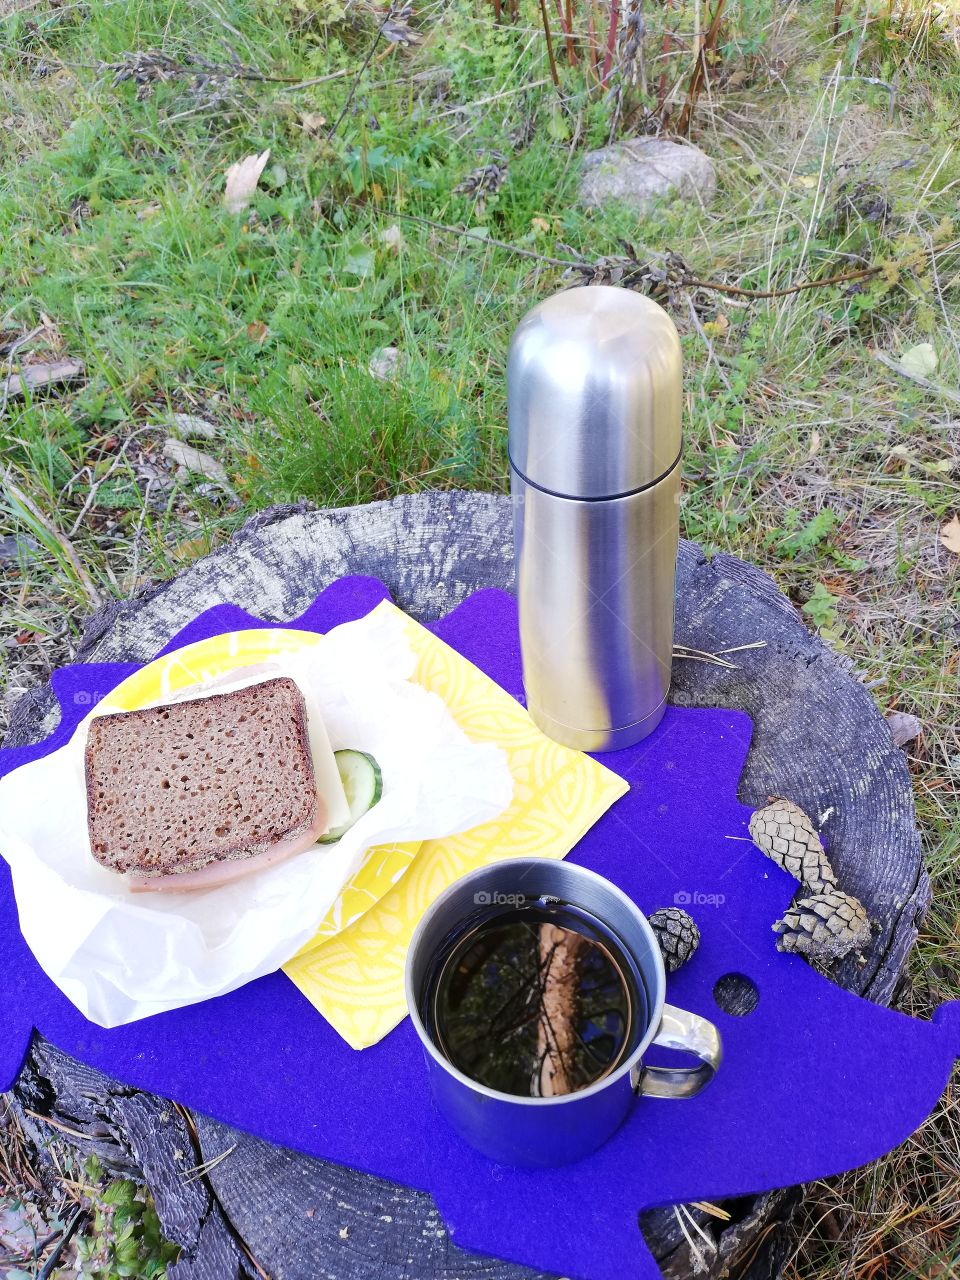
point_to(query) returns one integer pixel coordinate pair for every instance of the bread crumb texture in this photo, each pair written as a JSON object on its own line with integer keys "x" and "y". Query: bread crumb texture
{"x": 175, "y": 788}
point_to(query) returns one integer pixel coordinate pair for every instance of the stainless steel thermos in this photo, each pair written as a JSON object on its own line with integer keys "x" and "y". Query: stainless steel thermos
{"x": 594, "y": 398}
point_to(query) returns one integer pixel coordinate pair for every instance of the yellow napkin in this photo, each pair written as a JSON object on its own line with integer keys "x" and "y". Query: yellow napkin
{"x": 354, "y": 974}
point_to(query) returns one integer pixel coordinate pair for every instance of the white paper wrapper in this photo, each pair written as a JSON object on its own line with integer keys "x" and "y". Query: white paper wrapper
{"x": 121, "y": 956}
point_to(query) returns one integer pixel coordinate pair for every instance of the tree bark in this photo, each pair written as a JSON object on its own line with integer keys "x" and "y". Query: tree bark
{"x": 559, "y": 951}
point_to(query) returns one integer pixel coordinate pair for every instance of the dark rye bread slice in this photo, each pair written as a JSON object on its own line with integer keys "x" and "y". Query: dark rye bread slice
{"x": 175, "y": 788}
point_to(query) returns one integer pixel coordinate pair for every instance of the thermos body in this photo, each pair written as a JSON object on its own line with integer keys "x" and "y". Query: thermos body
{"x": 595, "y": 583}
{"x": 594, "y": 392}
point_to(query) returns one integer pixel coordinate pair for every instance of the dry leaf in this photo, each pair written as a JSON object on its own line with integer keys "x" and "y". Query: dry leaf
{"x": 716, "y": 328}
{"x": 42, "y": 374}
{"x": 52, "y": 337}
{"x": 257, "y": 332}
{"x": 904, "y": 727}
{"x": 920, "y": 361}
{"x": 242, "y": 179}
{"x": 950, "y": 535}
{"x": 184, "y": 455}
{"x": 191, "y": 549}
{"x": 187, "y": 425}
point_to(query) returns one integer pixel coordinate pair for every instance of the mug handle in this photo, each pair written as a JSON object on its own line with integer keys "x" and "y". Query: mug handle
{"x": 692, "y": 1034}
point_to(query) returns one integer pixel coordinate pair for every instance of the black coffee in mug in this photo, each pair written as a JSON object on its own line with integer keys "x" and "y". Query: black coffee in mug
{"x": 534, "y": 975}
{"x": 537, "y": 1000}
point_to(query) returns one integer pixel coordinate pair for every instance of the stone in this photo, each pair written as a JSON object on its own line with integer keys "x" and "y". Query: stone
{"x": 14, "y": 549}
{"x": 385, "y": 364}
{"x": 645, "y": 171}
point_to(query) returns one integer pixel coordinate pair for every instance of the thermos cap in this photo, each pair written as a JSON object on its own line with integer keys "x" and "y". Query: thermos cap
{"x": 594, "y": 393}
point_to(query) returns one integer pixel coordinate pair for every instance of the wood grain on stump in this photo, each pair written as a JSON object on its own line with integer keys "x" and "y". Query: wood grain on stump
{"x": 818, "y": 738}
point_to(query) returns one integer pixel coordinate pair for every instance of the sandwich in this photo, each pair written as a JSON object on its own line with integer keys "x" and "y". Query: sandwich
{"x": 200, "y": 792}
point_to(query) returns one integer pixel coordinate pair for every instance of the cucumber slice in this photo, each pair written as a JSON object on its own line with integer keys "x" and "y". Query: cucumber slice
{"x": 363, "y": 785}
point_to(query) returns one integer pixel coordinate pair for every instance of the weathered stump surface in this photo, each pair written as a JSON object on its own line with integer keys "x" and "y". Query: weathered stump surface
{"x": 818, "y": 739}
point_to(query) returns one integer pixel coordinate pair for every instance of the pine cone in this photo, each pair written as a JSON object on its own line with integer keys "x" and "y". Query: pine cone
{"x": 785, "y": 834}
{"x": 485, "y": 181}
{"x": 823, "y": 926}
{"x": 677, "y": 935}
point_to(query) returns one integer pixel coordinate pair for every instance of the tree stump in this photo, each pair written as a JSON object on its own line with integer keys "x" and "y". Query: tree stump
{"x": 819, "y": 739}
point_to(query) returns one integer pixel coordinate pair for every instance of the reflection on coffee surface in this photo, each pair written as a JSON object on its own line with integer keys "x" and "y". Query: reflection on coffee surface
{"x": 536, "y": 1000}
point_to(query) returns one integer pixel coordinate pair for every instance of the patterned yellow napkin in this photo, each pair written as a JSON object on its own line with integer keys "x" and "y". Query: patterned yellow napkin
{"x": 354, "y": 974}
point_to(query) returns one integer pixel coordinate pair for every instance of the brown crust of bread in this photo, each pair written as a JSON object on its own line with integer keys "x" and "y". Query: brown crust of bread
{"x": 217, "y": 779}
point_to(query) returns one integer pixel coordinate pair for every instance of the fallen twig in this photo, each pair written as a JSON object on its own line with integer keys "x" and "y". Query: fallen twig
{"x": 42, "y": 374}
{"x": 353, "y": 88}
{"x": 481, "y": 238}
{"x": 293, "y": 86}
{"x": 842, "y": 277}
{"x": 47, "y": 1269}
{"x": 94, "y": 487}
{"x": 684, "y": 279}
{"x": 715, "y": 659}
{"x": 394, "y": 27}
{"x": 462, "y": 108}
{"x": 11, "y": 351}
{"x": 711, "y": 354}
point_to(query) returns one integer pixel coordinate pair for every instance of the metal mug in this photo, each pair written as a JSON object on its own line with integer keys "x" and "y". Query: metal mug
{"x": 529, "y": 1131}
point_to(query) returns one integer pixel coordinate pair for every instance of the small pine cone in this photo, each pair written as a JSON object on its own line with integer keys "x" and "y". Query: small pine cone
{"x": 787, "y": 836}
{"x": 677, "y": 934}
{"x": 824, "y": 926}
{"x": 487, "y": 180}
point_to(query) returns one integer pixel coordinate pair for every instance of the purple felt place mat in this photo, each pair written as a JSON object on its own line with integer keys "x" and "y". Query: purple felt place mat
{"x": 262, "y": 1059}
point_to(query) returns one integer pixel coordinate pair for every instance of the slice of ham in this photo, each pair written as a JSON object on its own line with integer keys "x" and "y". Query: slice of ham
{"x": 215, "y": 874}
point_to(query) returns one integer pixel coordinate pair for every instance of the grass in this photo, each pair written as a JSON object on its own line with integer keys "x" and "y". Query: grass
{"x": 835, "y": 152}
